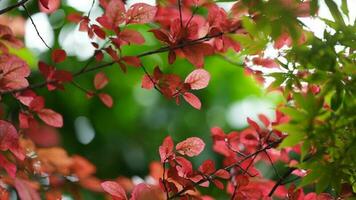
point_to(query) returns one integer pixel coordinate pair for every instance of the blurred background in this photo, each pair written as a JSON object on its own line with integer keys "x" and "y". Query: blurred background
{"x": 123, "y": 140}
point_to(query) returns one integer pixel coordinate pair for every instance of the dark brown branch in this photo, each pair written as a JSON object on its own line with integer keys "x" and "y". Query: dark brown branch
{"x": 16, "y": 5}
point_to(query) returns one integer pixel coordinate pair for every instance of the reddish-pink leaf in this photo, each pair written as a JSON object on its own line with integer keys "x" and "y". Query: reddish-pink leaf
{"x": 9, "y": 139}
{"x": 192, "y": 100}
{"x": 25, "y": 190}
{"x": 160, "y": 35}
{"x": 59, "y": 55}
{"x": 44, "y": 3}
{"x": 195, "y": 54}
{"x": 222, "y": 173}
{"x": 8, "y": 166}
{"x": 14, "y": 72}
{"x": 218, "y": 184}
{"x": 49, "y": 6}
{"x": 37, "y": 103}
{"x": 166, "y": 149}
{"x": 106, "y": 99}
{"x": 132, "y": 60}
{"x": 51, "y": 117}
{"x": 132, "y": 36}
{"x": 100, "y": 80}
{"x": 208, "y": 167}
{"x": 140, "y": 13}
{"x": 192, "y": 146}
{"x": 265, "y": 62}
{"x": 253, "y": 124}
{"x": 264, "y": 119}
{"x": 147, "y": 82}
{"x": 115, "y": 13}
{"x": 198, "y": 79}
{"x": 144, "y": 191}
{"x": 114, "y": 189}
{"x": 184, "y": 167}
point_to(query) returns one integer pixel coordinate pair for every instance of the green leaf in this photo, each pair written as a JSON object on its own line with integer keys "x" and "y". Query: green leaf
{"x": 295, "y": 134}
{"x": 335, "y": 12}
{"x": 344, "y": 7}
{"x": 57, "y": 19}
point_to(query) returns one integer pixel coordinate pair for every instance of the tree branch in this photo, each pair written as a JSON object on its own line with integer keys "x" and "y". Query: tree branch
{"x": 16, "y": 5}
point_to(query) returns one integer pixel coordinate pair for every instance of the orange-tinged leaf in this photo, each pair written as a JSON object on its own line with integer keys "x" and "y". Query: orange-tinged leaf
{"x": 192, "y": 146}
{"x": 198, "y": 79}
{"x": 192, "y": 100}
{"x": 147, "y": 82}
{"x": 100, "y": 80}
{"x": 51, "y": 117}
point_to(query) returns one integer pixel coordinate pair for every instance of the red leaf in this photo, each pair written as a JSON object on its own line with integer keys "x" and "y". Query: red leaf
{"x": 147, "y": 82}
{"x": 160, "y": 35}
{"x": 59, "y": 55}
{"x": 8, "y": 166}
{"x": 44, "y": 3}
{"x": 115, "y": 13}
{"x": 132, "y": 36}
{"x": 51, "y": 117}
{"x": 114, "y": 189}
{"x": 25, "y": 190}
{"x": 132, "y": 60}
{"x": 49, "y": 6}
{"x": 192, "y": 100}
{"x": 218, "y": 184}
{"x": 195, "y": 53}
{"x": 37, "y": 104}
{"x": 9, "y": 139}
{"x": 198, "y": 79}
{"x": 184, "y": 167}
{"x": 192, "y": 146}
{"x": 222, "y": 173}
{"x": 166, "y": 149}
{"x": 106, "y": 99}
{"x": 253, "y": 124}
{"x": 265, "y": 62}
{"x": 100, "y": 80}
{"x": 140, "y": 13}
{"x": 13, "y": 73}
{"x": 207, "y": 168}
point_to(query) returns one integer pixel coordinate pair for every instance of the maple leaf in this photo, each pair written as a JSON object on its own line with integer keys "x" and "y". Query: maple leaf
{"x": 192, "y": 146}
{"x": 114, "y": 189}
{"x": 13, "y": 73}
{"x": 140, "y": 13}
{"x": 198, "y": 79}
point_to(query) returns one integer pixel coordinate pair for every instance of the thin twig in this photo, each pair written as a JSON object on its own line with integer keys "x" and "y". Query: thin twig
{"x": 180, "y": 13}
{"x": 34, "y": 25}
{"x": 271, "y": 162}
{"x": 91, "y": 8}
{"x": 16, "y": 5}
